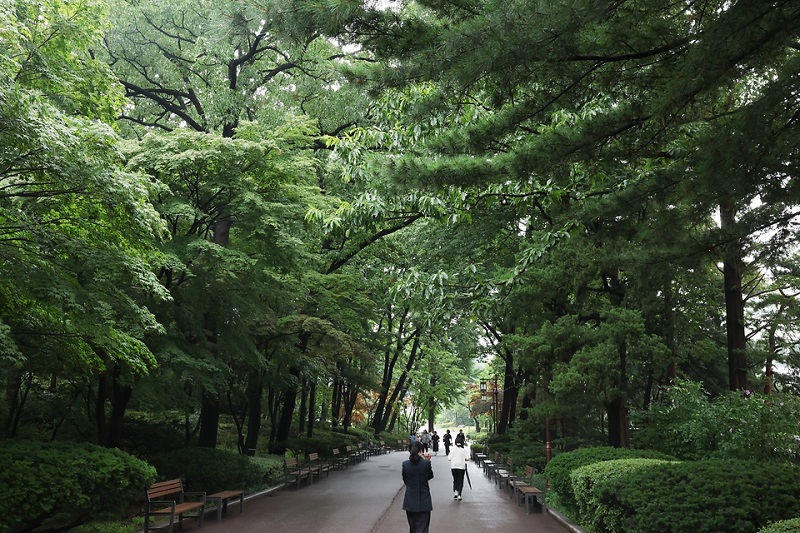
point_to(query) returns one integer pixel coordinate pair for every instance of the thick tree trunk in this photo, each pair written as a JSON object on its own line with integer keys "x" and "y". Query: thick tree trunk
{"x": 210, "y": 407}
{"x": 209, "y": 422}
{"x": 616, "y": 422}
{"x": 734, "y": 306}
{"x": 16, "y": 394}
{"x": 336, "y": 403}
{"x": 109, "y": 425}
{"x": 287, "y": 410}
{"x": 255, "y": 394}
{"x": 301, "y": 418}
{"x": 312, "y": 392}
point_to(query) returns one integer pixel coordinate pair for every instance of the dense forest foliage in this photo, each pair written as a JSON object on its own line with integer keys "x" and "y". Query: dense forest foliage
{"x": 296, "y": 215}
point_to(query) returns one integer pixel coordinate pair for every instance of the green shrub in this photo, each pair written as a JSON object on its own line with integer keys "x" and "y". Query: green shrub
{"x": 477, "y": 448}
{"x": 61, "y": 485}
{"x": 783, "y": 526}
{"x": 560, "y": 468}
{"x": 145, "y": 436}
{"x": 587, "y": 482}
{"x": 703, "y": 496}
{"x": 736, "y": 425}
{"x": 212, "y": 470}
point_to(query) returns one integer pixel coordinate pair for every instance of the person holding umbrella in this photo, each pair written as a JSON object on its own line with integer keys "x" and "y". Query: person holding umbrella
{"x": 458, "y": 458}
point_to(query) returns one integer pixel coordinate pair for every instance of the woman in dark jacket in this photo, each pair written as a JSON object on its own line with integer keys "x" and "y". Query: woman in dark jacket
{"x": 417, "y": 502}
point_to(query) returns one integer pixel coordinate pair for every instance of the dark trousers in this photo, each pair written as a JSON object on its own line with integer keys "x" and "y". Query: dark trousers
{"x": 447, "y": 448}
{"x": 458, "y": 479}
{"x": 418, "y": 522}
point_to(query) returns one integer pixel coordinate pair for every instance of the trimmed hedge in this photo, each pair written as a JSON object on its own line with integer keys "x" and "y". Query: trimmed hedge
{"x": 587, "y": 485}
{"x": 212, "y": 470}
{"x": 57, "y": 485}
{"x": 784, "y": 526}
{"x": 560, "y": 468}
{"x": 693, "y": 496}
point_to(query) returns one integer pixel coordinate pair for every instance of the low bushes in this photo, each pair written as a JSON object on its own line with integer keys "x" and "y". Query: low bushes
{"x": 638, "y": 495}
{"x": 560, "y": 468}
{"x": 212, "y": 470}
{"x": 783, "y": 526}
{"x": 51, "y": 486}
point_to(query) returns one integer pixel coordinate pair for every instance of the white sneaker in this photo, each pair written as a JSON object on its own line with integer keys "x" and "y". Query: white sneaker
{"x": 455, "y": 494}
{"x": 459, "y": 496}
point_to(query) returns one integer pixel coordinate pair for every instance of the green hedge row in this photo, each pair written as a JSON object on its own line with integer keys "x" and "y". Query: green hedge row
{"x": 641, "y": 495}
{"x": 734, "y": 496}
{"x": 212, "y": 470}
{"x": 783, "y": 526}
{"x": 51, "y": 486}
{"x": 560, "y": 468}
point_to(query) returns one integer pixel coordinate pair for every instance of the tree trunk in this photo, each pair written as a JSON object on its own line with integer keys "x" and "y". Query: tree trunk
{"x": 210, "y": 407}
{"x": 111, "y": 391}
{"x": 401, "y": 385}
{"x": 734, "y": 306}
{"x": 669, "y": 332}
{"x": 301, "y": 414}
{"x": 769, "y": 370}
{"x": 287, "y": 410}
{"x": 209, "y": 422}
{"x": 616, "y": 422}
{"x": 312, "y": 392}
{"x": 255, "y": 394}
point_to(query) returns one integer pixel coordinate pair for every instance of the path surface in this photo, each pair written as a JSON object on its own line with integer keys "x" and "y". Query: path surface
{"x": 368, "y": 498}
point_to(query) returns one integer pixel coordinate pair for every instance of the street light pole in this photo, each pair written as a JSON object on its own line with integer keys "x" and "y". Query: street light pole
{"x": 493, "y": 407}
{"x": 494, "y": 403}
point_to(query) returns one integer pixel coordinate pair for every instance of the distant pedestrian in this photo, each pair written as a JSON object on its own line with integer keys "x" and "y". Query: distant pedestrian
{"x": 461, "y": 437}
{"x": 413, "y": 437}
{"x": 435, "y": 442}
{"x": 458, "y": 467}
{"x": 448, "y": 441}
{"x": 425, "y": 439}
{"x": 417, "y": 501}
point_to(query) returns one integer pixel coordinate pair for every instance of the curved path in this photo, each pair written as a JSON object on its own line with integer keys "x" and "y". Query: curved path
{"x": 368, "y": 498}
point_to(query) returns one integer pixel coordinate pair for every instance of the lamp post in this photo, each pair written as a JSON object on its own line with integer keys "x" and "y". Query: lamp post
{"x": 493, "y": 407}
{"x": 494, "y": 403}
{"x": 483, "y": 390}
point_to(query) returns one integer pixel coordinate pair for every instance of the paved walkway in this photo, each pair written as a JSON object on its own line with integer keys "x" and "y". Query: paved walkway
{"x": 368, "y": 498}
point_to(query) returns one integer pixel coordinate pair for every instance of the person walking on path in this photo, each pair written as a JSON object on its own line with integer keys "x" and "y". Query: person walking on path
{"x": 448, "y": 441}
{"x": 425, "y": 438}
{"x": 458, "y": 466}
{"x": 435, "y": 442}
{"x": 461, "y": 437}
{"x": 417, "y": 502}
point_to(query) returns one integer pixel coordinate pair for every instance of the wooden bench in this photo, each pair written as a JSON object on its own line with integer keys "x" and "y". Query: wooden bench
{"x": 503, "y": 474}
{"x": 479, "y": 458}
{"x": 523, "y": 488}
{"x": 516, "y": 481}
{"x": 376, "y": 447}
{"x": 354, "y": 454}
{"x": 340, "y": 462}
{"x": 385, "y": 448}
{"x": 489, "y": 465}
{"x": 318, "y": 466}
{"x": 294, "y": 472}
{"x": 221, "y": 500}
{"x": 363, "y": 450}
{"x": 167, "y": 498}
